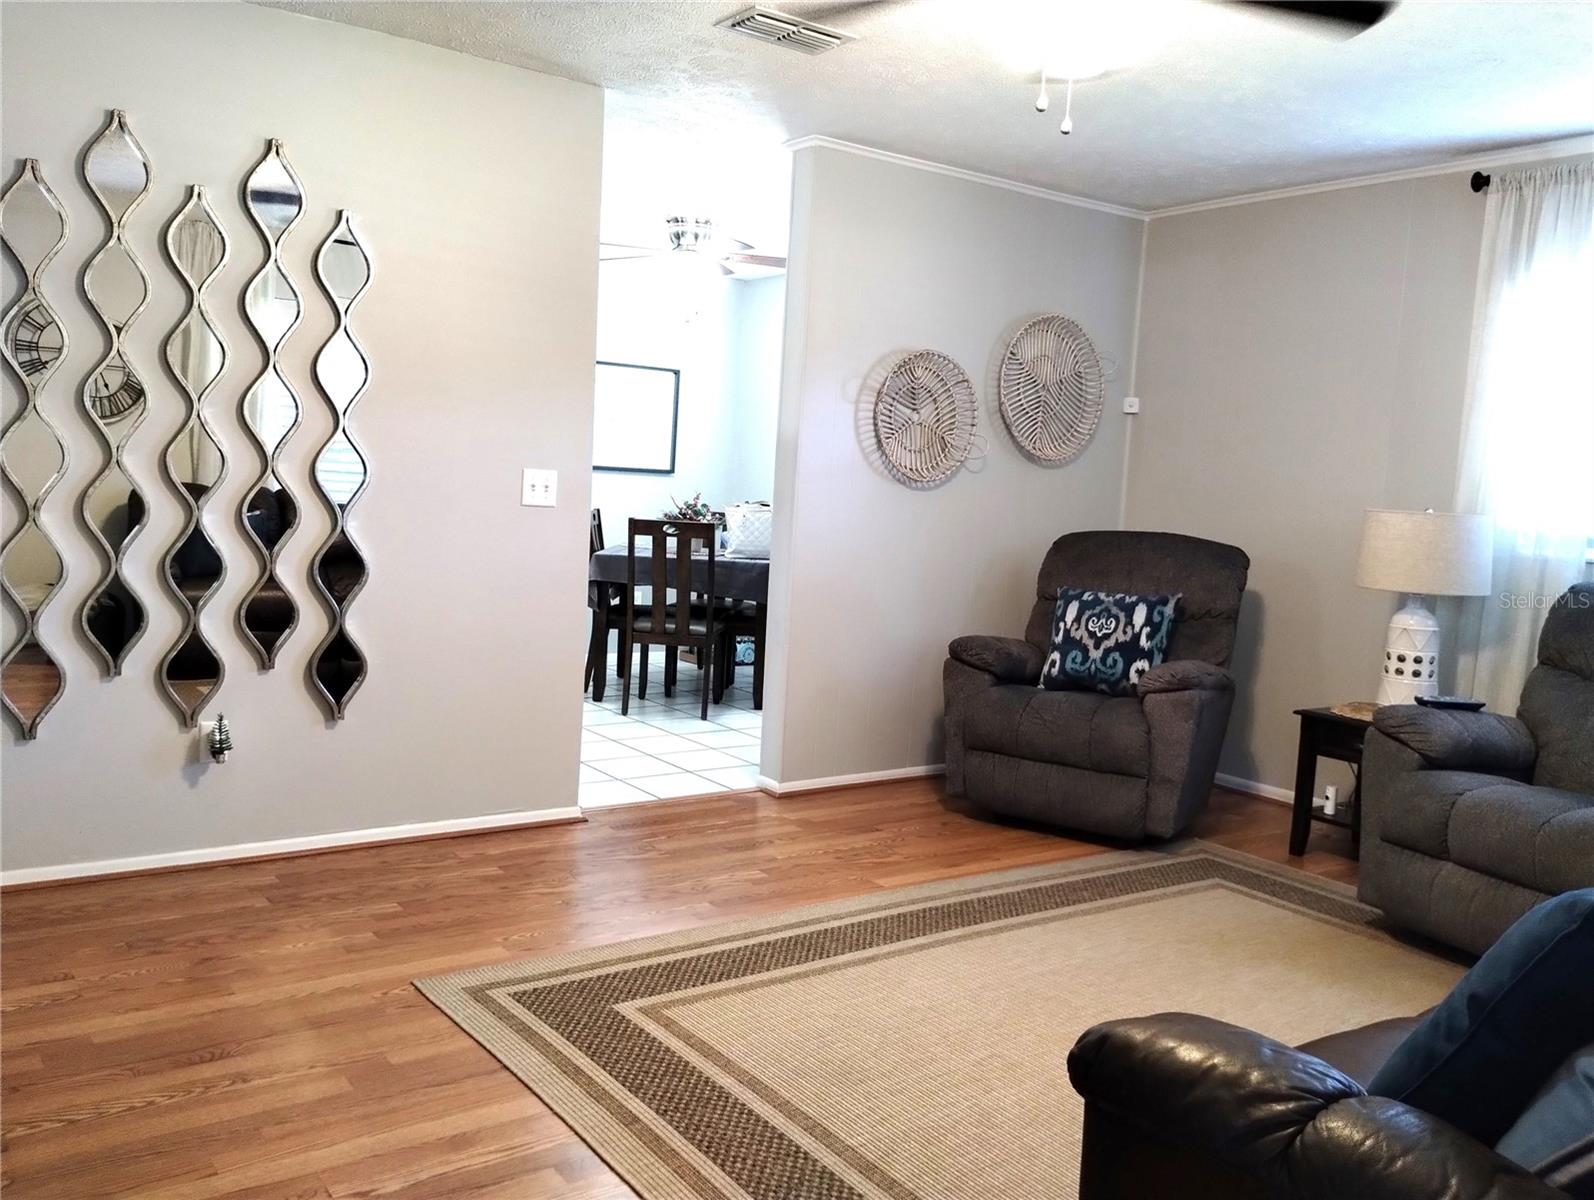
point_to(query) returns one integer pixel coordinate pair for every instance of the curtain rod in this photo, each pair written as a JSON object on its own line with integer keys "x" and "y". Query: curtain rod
{"x": 1480, "y": 181}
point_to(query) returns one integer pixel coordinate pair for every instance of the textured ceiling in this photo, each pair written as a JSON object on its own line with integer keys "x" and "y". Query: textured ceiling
{"x": 1223, "y": 103}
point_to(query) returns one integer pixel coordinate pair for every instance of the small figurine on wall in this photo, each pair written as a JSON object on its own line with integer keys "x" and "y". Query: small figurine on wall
{"x": 220, "y": 739}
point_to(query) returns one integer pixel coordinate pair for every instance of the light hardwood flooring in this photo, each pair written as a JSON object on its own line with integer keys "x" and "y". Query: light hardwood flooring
{"x": 250, "y": 1031}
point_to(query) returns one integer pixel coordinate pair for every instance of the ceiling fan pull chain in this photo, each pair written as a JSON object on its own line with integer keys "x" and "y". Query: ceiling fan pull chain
{"x": 1068, "y": 111}
{"x": 1043, "y": 101}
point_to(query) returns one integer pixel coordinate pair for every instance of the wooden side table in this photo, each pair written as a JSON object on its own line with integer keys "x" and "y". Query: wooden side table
{"x": 1326, "y": 734}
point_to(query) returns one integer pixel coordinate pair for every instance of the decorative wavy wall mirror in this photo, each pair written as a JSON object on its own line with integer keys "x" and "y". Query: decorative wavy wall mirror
{"x": 118, "y": 174}
{"x": 33, "y": 228}
{"x": 271, "y": 412}
{"x": 191, "y": 672}
{"x": 342, "y": 372}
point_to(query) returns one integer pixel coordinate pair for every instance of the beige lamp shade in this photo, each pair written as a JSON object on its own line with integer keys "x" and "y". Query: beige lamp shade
{"x": 1426, "y": 553}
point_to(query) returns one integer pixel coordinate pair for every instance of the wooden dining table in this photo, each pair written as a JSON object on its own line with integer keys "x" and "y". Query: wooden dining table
{"x": 744, "y": 579}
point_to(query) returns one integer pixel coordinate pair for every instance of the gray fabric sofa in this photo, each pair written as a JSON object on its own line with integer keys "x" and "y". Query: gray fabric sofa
{"x": 1470, "y": 819}
{"x": 1123, "y": 766}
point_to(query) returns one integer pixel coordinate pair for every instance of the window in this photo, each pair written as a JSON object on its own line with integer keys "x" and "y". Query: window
{"x": 1531, "y": 421}
{"x": 1525, "y": 458}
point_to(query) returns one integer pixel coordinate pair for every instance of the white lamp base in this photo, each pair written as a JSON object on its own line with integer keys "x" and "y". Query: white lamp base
{"x": 1411, "y": 655}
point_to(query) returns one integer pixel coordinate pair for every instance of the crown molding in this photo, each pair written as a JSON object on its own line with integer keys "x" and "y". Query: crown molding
{"x": 816, "y": 141}
{"x": 1534, "y": 152}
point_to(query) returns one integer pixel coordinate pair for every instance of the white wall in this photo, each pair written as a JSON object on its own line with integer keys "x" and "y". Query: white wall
{"x": 752, "y": 387}
{"x": 723, "y": 335}
{"x": 872, "y": 579}
{"x": 1301, "y": 360}
{"x": 476, "y": 186}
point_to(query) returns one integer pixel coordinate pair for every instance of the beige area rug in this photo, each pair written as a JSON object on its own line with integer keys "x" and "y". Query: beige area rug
{"x": 912, "y": 1044}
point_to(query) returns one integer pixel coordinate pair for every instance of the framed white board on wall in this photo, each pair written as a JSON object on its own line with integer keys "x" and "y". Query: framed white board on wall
{"x": 635, "y": 409}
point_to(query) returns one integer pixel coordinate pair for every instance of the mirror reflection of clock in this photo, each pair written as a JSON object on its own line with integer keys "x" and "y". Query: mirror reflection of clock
{"x": 35, "y": 338}
{"x": 114, "y": 391}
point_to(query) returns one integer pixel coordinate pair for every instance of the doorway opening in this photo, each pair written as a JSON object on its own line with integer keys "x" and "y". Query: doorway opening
{"x": 691, "y": 317}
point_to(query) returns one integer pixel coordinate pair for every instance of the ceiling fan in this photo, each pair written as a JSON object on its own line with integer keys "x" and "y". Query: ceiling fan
{"x": 696, "y": 236}
{"x": 1345, "y": 16}
{"x": 1063, "y": 36}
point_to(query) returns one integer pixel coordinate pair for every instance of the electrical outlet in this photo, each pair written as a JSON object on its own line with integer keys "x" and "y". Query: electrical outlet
{"x": 202, "y": 732}
{"x": 1131, "y": 404}
{"x": 538, "y": 488}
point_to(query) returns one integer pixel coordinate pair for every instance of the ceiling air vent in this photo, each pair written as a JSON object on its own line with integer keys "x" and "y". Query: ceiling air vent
{"x": 779, "y": 29}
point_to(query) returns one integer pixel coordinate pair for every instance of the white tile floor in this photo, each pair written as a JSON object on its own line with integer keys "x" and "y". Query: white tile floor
{"x": 662, "y": 749}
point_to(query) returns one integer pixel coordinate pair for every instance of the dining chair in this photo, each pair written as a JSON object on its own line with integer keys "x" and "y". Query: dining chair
{"x": 749, "y": 619}
{"x": 666, "y": 567}
{"x": 608, "y": 615}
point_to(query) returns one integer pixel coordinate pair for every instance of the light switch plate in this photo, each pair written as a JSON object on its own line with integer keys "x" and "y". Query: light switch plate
{"x": 1131, "y": 404}
{"x": 538, "y": 488}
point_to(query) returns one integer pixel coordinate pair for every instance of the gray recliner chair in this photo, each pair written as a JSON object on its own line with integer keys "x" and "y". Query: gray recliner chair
{"x": 1123, "y": 766}
{"x": 1469, "y": 819}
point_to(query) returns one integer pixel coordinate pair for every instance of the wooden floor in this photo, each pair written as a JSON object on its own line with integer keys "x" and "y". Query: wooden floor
{"x": 250, "y": 1030}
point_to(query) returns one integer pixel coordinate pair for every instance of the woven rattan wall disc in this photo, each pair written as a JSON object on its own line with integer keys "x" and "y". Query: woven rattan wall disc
{"x": 1051, "y": 388}
{"x": 924, "y": 416}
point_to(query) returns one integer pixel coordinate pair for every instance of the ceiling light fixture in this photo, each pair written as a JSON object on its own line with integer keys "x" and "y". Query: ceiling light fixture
{"x": 689, "y": 233}
{"x": 1070, "y": 39}
{"x": 1076, "y": 40}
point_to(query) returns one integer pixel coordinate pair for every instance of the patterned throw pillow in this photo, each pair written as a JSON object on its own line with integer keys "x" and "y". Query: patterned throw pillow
{"x": 1105, "y": 641}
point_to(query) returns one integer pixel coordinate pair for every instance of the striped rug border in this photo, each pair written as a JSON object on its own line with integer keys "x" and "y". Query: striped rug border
{"x": 493, "y": 1004}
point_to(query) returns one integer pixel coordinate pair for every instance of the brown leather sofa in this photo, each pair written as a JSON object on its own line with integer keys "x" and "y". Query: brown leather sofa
{"x": 1181, "y": 1107}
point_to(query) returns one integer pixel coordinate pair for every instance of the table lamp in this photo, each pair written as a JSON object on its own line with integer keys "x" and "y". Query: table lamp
{"x": 1421, "y": 554}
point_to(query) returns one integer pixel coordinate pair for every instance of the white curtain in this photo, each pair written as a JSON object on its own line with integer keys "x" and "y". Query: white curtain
{"x": 1527, "y": 445}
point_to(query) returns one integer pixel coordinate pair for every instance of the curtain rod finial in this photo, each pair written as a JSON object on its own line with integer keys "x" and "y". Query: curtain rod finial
{"x": 1480, "y": 181}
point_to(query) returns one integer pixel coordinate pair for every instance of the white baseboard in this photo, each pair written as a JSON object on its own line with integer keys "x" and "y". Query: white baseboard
{"x": 841, "y": 781}
{"x": 1266, "y": 790}
{"x": 427, "y": 829}
{"x": 288, "y": 846}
